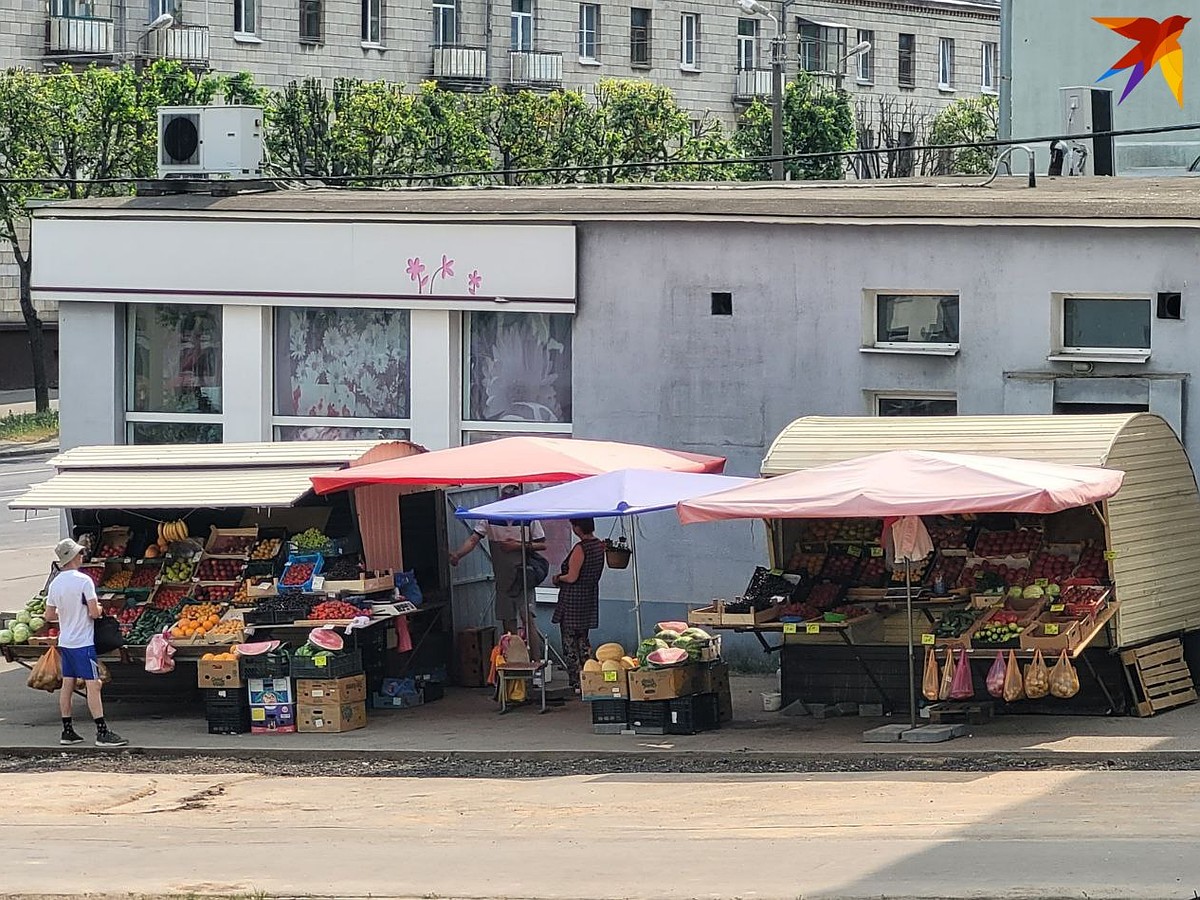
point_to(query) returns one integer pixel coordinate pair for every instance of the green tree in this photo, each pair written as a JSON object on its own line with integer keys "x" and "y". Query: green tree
{"x": 815, "y": 120}
{"x": 299, "y": 130}
{"x": 637, "y": 124}
{"x": 967, "y": 121}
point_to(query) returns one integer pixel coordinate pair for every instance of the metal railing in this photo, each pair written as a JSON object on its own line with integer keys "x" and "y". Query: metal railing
{"x": 752, "y": 83}
{"x": 79, "y": 35}
{"x": 457, "y": 64}
{"x": 183, "y": 43}
{"x": 534, "y": 68}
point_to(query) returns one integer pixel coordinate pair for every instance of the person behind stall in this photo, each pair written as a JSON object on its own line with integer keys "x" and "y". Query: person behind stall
{"x": 71, "y": 602}
{"x": 578, "y": 609}
{"x": 514, "y": 598}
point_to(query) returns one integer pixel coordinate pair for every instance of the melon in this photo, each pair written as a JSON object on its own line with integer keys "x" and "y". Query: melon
{"x": 326, "y": 639}
{"x": 20, "y": 633}
{"x": 6, "y": 636}
{"x": 669, "y": 656}
{"x": 611, "y": 665}
{"x": 609, "y": 651}
{"x": 592, "y": 666}
{"x": 36, "y": 624}
{"x": 629, "y": 662}
{"x": 672, "y": 626}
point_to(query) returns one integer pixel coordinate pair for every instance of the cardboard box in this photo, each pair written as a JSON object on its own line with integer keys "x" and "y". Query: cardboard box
{"x": 667, "y": 684}
{"x": 473, "y": 655}
{"x": 351, "y": 689}
{"x": 219, "y": 673}
{"x": 331, "y": 718}
{"x": 271, "y": 691}
{"x": 273, "y": 719}
{"x": 605, "y": 685}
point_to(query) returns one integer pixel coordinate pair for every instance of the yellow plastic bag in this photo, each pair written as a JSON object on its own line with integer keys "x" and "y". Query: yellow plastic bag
{"x": 1037, "y": 678}
{"x": 929, "y": 683}
{"x": 1014, "y": 687}
{"x": 947, "y": 685}
{"x": 46, "y": 674}
{"x": 1064, "y": 680}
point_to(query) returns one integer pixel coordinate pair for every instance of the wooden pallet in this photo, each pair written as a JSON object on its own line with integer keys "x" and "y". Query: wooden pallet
{"x": 954, "y": 713}
{"x": 1159, "y": 676}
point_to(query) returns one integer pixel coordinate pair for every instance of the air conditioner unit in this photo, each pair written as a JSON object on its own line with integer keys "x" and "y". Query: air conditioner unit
{"x": 210, "y": 142}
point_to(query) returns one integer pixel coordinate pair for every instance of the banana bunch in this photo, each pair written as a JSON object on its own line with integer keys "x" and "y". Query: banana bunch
{"x": 172, "y": 532}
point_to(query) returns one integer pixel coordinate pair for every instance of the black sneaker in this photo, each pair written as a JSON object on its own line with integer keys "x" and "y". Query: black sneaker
{"x": 70, "y": 737}
{"x": 110, "y": 739}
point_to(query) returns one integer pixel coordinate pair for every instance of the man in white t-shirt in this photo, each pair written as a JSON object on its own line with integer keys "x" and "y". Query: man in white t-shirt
{"x": 504, "y": 546}
{"x": 71, "y": 602}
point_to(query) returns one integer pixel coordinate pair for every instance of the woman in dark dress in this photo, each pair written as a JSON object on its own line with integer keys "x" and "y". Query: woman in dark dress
{"x": 578, "y": 609}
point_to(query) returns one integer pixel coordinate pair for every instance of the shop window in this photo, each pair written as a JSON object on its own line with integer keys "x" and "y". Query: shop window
{"x": 914, "y": 322}
{"x": 1105, "y": 326}
{"x": 919, "y": 405}
{"x": 172, "y": 433}
{"x": 348, "y": 365}
{"x": 517, "y": 371}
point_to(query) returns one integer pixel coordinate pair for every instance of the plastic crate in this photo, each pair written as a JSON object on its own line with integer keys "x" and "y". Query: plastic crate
{"x": 266, "y": 665}
{"x": 339, "y": 666}
{"x": 691, "y": 715}
{"x": 278, "y": 615}
{"x": 228, "y": 714}
{"x": 609, "y": 712}
{"x": 649, "y": 716}
{"x": 318, "y": 562}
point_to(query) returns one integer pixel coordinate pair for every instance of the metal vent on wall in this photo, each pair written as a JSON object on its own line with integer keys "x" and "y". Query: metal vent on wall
{"x": 181, "y": 140}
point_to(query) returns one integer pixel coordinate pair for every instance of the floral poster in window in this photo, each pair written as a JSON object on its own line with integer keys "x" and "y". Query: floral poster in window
{"x": 342, "y": 363}
{"x": 520, "y": 367}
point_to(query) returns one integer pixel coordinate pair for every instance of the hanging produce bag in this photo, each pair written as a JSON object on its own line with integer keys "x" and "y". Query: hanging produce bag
{"x": 929, "y": 683}
{"x": 963, "y": 687}
{"x": 160, "y": 655}
{"x": 1037, "y": 678}
{"x": 947, "y": 677}
{"x": 1014, "y": 687}
{"x": 46, "y": 674}
{"x": 1064, "y": 680}
{"x": 995, "y": 676}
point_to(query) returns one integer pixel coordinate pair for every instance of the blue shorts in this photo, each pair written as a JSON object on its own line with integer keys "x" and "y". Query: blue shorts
{"x": 79, "y": 662}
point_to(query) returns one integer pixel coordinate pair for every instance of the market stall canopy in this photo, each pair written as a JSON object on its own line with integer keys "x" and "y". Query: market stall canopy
{"x": 194, "y": 475}
{"x": 518, "y": 460}
{"x": 911, "y": 483}
{"x": 627, "y": 492}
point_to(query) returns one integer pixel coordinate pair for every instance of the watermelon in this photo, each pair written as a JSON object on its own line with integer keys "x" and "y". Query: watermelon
{"x": 648, "y": 646}
{"x": 668, "y": 635}
{"x": 257, "y": 648}
{"x": 326, "y": 639}
{"x": 688, "y": 646}
{"x": 672, "y": 626}
{"x": 670, "y": 656}
{"x": 697, "y": 634}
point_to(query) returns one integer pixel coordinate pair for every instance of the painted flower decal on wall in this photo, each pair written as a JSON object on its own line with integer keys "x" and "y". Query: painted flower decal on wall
{"x": 416, "y": 272}
{"x": 444, "y": 272}
{"x": 446, "y": 269}
{"x": 474, "y": 280}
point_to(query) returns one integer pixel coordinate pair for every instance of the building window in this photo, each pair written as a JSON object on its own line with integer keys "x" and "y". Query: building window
{"x": 517, "y": 372}
{"x": 1105, "y": 326}
{"x": 918, "y": 322}
{"x": 589, "y": 31}
{"x": 372, "y": 22}
{"x": 747, "y": 44}
{"x": 445, "y": 23}
{"x": 915, "y": 404}
{"x": 822, "y": 46}
{"x": 989, "y": 63}
{"x": 310, "y": 21}
{"x": 157, "y": 8}
{"x": 689, "y": 41}
{"x": 245, "y": 16}
{"x": 346, "y": 365}
{"x": 173, "y": 374}
{"x": 639, "y": 36}
{"x": 865, "y": 61}
{"x": 946, "y": 64}
{"x": 907, "y": 61}
{"x": 521, "y": 20}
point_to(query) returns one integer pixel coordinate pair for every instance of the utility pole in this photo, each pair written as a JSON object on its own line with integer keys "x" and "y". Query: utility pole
{"x": 778, "y": 49}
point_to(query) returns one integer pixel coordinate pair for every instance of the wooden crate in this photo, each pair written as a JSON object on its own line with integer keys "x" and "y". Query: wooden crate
{"x": 1160, "y": 677}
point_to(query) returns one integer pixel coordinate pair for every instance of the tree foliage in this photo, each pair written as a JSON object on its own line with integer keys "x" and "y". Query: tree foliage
{"x": 816, "y": 119}
{"x": 971, "y": 120}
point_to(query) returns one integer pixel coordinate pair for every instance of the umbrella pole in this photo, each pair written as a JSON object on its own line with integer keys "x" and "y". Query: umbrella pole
{"x": 912, "y": 689}
{"x": 637, "y": 588}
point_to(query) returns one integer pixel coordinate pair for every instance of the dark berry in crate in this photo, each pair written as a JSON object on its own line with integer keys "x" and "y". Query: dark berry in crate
{"x": 297, "y": 574}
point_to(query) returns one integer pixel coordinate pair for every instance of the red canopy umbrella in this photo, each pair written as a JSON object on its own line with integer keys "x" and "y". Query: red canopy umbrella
{"x": 517, "y": 460}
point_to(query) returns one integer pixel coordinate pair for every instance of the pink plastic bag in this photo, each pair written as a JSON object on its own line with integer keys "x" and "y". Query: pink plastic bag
{"x": 962, "y": 687}
{"x": 995, "y": 676}
{"x": 160, "y": 655}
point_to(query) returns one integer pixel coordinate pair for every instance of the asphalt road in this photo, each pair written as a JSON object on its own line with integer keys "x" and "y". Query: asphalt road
{"x": 654, "y": 837}
{"x": 25, "y": 539}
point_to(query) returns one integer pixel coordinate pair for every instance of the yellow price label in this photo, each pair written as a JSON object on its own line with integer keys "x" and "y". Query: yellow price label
{"x": 789, "y": 627}
{"x": 928, "y": 640}
{"x": 813, "y": 628}
{"x": 319, "y": 661}
{"x": 1051, "y": 630}
{"x": 1110, "y": 555}
{"x": 1057, "y": 607}
{"x": 610, "y": 676}
{"x": 877, "y": 551}
{"x": 854, "y": 551}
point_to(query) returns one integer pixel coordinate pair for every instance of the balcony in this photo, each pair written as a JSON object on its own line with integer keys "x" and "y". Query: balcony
{"x": 752, "y": 83}
{"x": 460, "y": 68}
{"x": 187, "y": 44}
{"x": 79, "y": 36}
{"x": 534, "y": 69}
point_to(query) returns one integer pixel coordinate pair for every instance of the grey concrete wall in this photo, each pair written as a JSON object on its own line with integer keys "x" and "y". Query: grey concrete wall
{"x": 92, "y": 374}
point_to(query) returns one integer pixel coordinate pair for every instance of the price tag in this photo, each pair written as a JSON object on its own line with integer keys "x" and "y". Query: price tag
{"x": 1042, "y": 582}
{"x": 610, "y": 676}
{"x": 1110, "y": 555}
{"x": 928, "y": 640}
{"x": 319, "y": 661}
{"x": 318, "y": 583}
{"x": 789, "y": 627}
{"x": 854, "y": 551}
{"x": 1057, "y": 607}
{"x": 813, "y": 628}
{"x": 1051, "y": 630}
{"x": 877, "y": 551}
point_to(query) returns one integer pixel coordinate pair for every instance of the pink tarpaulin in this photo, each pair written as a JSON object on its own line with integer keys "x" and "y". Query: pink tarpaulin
{"x": 517, "y": 460}
{"x": 910, "y": 483}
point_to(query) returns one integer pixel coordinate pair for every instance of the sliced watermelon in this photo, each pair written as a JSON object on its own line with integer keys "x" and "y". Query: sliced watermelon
{"x": 668, "y": 657}
{"x": 258, "y": 648}
{"x": 326, "y": 639}
{"x": 673, "y": 626}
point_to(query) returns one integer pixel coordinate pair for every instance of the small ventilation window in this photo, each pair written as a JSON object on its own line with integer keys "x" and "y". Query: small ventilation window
{"x": 1170, "y": 305}
{"x": 722, "y": 303}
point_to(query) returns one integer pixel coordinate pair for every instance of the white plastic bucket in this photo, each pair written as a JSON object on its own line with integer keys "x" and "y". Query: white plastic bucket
{"x": 772, "y": 701}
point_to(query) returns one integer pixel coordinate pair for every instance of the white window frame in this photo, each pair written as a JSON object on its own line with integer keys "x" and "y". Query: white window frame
{"x": 747, "y": 45}
{"x": 240, "y": 6}
{"x": 989, "y": 63}
{"x": 870, "y": 318}
{"x": 521, "y": 26}
{"x": 945, "y": 64}
{"x": 157, "y": 8}
{"x": 445, "y": 11}
{"x": 873, "y": 398}
{"x": 372, "y": 24}
{"x": 319, "y": 37}
{"x": 336, "y": 422}
{"x": 689, "y": 42}
{"x": 1063, "y": 353}
{"x": 865, "y": 62}
{"x": 589, "y": 32}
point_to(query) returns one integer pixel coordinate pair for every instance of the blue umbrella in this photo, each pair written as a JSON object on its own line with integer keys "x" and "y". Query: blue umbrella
{"x": 627, "y": 492}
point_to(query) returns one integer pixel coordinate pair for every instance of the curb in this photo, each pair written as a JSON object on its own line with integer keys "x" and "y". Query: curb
{"x": 17, "y": 451}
